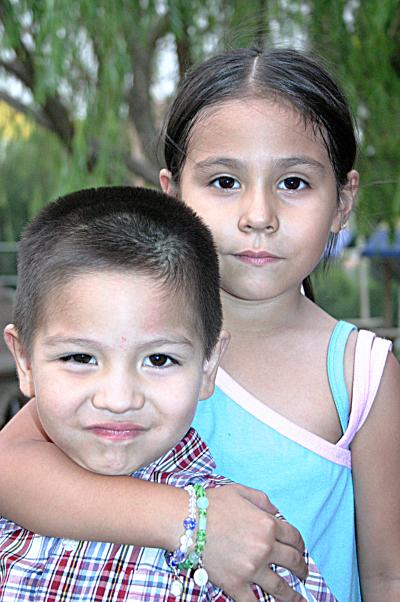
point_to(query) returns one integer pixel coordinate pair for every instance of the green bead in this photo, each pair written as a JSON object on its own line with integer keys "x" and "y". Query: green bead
{"x": 199, "y": 491}
{"x": 186, "y": 565}
{"x": 202, "y": 523}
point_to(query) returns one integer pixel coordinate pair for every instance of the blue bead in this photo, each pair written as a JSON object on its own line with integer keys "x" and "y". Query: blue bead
{"x": 189, "y": 523}
{"x": 194, "y": 558}
{"x": 202, "y": 502}
{"x": 179, "y": 556}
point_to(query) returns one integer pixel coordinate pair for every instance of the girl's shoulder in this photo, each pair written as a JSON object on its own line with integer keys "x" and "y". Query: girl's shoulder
{"x": 356, "y": 361}
{"x": 371, "y": 359}
{"x": 365, "y": 364}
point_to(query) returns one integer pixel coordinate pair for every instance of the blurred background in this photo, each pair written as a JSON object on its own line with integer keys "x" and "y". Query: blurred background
{"x": 84, "y": 86}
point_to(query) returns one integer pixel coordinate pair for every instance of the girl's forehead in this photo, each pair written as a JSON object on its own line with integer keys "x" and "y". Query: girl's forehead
{"x": 263, "y": 125}
{"x": 251, "y": 107}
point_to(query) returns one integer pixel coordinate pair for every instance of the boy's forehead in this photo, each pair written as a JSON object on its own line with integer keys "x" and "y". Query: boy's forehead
{"x": 130, "y": 296}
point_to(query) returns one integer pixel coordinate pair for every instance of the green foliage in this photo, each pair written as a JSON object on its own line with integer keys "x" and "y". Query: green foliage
{"x": 30, "y": 175}
{"x": 362, "y": 44}
{"x": 337, "y": 291}
{"x": 91, "y": 67}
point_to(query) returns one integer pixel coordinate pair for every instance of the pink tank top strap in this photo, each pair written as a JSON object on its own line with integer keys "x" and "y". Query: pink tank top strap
{"x": 369, "y": 363}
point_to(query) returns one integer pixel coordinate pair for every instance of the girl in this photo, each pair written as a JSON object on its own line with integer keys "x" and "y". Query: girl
{"x": 261, "y": 145}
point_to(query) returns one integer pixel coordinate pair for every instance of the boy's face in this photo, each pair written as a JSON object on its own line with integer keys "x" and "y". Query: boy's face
{"x": 117, "y": 368}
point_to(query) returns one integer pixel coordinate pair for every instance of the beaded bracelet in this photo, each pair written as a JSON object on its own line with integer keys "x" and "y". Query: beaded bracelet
{"x": 194, "y": 559}
{"x": 174, "y": 559}
{"x": 179, "y": 559}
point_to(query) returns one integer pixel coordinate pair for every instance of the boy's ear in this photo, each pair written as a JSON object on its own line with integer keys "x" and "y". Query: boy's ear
{"x": 22, "y": 362}
{"x": 348, "y": 195}
{"x": 166, "y": 182}
{"x": 211, "y": 365}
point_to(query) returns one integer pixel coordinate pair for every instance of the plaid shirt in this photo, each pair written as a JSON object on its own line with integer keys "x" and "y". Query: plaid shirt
{"x": 47, "y": 569}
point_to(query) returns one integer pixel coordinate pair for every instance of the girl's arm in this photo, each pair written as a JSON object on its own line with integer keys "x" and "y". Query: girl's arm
{"x": 45, "y": 491}
{"x": 376, "y": 462}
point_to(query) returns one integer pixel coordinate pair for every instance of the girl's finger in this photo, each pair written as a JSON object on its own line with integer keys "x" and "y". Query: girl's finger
{"x": 277, "y": 587}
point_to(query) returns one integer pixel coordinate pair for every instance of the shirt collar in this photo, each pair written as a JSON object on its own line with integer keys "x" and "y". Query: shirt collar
{"x": 191, "y": 454}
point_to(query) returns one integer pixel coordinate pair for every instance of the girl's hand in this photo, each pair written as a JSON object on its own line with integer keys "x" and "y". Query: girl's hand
{"x": 244, "y": 538}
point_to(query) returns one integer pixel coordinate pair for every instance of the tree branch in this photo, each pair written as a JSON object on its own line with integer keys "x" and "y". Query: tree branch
{"x": 159, "y": 30}
{"x": 30, "y": 112}
{"x": 59, "y": 118}
{"x": 53, "y": 116}
{"x": 394, "y": 33}
{"x": 146, "y": 171}
{"x": 23, "y": 65}
{"x": 139, "y": 100}
{"x": 17, "y": 69}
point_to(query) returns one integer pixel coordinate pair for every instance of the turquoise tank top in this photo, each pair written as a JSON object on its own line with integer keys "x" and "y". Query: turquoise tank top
{"x": 308, "y": 478}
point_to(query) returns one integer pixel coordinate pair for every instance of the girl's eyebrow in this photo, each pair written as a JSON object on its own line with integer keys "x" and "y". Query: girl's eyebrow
{"x": 288, "y": 162}
{"x": 282, "y": 163}
{"x": 228, "y": 162}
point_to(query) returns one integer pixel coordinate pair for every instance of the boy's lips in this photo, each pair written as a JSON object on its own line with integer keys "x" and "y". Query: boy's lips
{"x": 256, "y": 258}
{"x": 116, "y": 430}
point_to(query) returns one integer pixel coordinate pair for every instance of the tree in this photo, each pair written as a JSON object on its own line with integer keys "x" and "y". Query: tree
{"x": 88, "y": 73}
{"x": 361, "y": 40}
{"x": 87, "y": 70}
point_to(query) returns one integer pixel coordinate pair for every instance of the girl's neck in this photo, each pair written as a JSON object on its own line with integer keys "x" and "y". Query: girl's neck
{"x": 264, "y": 316}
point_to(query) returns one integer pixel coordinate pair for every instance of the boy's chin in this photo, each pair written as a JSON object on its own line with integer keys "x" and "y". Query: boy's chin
{"x": 98, "y": 467}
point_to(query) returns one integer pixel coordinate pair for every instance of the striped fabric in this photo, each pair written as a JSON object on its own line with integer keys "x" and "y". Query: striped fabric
{"x": 43, "y": 569}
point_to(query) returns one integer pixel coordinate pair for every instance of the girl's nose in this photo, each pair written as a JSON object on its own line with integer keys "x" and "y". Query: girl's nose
{"x": 119, "y": 395}
{"x": 259, "y": 213}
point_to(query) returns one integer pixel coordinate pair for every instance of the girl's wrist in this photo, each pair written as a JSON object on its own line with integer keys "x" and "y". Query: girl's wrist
{"x": 168, "y": 521}
{"x": 188, "y": 556}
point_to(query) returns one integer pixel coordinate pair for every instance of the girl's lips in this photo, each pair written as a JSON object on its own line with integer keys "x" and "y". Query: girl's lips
{"x": 117, "y": 431}
{"x": 256, "y": 258}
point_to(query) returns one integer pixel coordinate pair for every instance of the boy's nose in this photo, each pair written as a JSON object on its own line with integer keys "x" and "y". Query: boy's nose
{"x": 119, "y": 396}
{"x": 259, "y": 212}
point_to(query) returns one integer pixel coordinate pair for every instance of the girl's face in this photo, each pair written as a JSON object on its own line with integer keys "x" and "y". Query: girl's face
{"x": 264, "y": 184}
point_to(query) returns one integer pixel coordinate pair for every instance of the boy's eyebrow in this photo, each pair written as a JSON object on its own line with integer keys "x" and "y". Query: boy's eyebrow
{"x": 57, "y": 339}
{"x": 53, "y": 341}
{"x": 181, "y": 340}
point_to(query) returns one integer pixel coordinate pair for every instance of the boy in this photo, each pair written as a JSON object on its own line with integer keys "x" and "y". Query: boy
{"x": 117, "y": 333}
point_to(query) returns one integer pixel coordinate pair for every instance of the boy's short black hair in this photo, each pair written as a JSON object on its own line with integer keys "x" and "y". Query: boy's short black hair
{"x": 118, "y": 229}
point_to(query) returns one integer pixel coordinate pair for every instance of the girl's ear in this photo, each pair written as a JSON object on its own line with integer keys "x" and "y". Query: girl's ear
{"x": 348, "y": 195}
{"x": 22, "y": 361}
{"x": 211, "y": 365}
{"x": 166, "y": 182}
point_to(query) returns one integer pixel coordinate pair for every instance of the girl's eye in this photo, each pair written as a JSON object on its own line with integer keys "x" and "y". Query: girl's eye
{"x": 292, "y": 183}
{"x": 226, "y": 183}
{"x": 79, "y": 358}
{"x": 159, "y": 360}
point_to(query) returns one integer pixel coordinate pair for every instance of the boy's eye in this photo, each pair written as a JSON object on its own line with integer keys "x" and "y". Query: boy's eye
{"x": 79, "y": 358}
{"x": 159, "y": 360}
{"x": 226, "y": 183}
{"x": 292, "y": 183}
